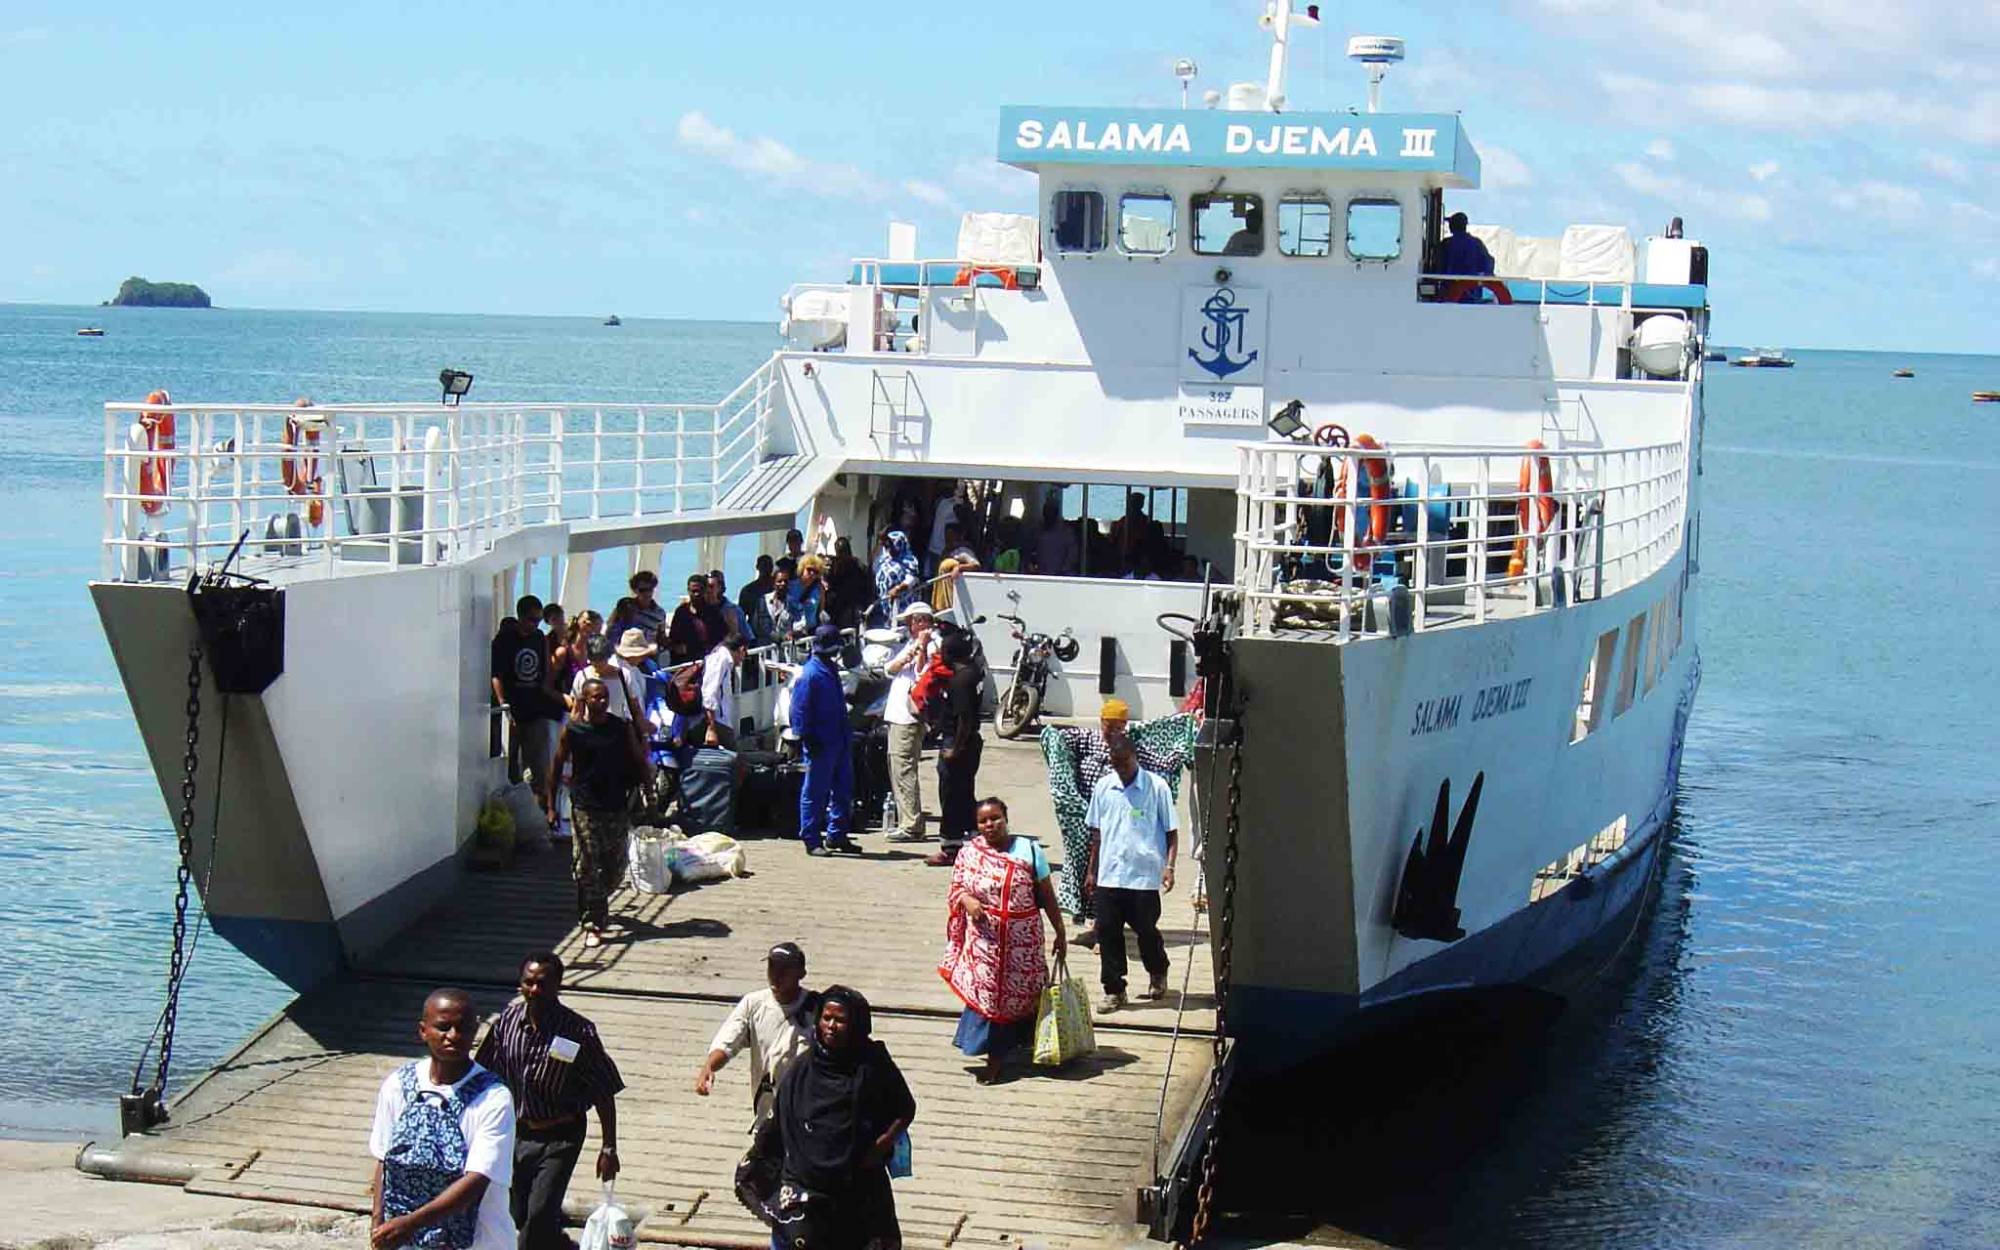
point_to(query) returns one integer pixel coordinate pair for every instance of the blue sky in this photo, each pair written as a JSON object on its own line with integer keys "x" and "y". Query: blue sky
{"x": 691, "y": 159}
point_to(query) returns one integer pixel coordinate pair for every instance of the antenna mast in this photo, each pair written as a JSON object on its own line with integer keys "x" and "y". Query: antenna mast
{"x": 1279, "y": 17}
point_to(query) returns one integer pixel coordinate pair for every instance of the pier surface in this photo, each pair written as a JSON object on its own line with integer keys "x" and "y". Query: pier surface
{"x": 1048, "y": 1157}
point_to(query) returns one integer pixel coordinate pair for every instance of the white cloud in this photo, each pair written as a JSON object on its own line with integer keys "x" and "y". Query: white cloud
{"x": 994, "y": 185}
{"x": 1501, "y": 170}
{"x": 1763, "y": 170}
{"x": 1988, "y": 268}
{"x": 1808, "y": 110}
{"x": 1886, "y": 200}
{"x": 1717, "y": 34}
{"x": 1686, "y": 195}
{"x": 1950, "y": 168}
{"x": 764, "y": 157}
{"x": 1661, "y": 149}
{"x": 928, "y": 192}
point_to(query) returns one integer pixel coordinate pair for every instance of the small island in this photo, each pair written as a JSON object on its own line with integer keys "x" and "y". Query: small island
{"x": 139, "y": 293}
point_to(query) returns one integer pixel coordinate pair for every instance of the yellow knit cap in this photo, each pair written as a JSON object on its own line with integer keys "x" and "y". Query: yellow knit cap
{"x": 1114, "y": 709}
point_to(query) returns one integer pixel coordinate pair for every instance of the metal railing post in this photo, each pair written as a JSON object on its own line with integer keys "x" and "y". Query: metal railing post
{"x": 1481, "y": 515}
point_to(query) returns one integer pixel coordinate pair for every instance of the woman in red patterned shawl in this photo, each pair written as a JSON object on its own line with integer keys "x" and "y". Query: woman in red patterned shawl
{"x": 1000, "y": 890}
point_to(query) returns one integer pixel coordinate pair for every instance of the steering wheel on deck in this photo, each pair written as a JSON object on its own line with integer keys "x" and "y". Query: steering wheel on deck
{"x": 1331, "y": 435}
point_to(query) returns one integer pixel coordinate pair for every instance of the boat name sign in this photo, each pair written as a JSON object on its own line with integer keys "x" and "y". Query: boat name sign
{"x": 1442, "y": 713}
{"x": 1418, "y": 142}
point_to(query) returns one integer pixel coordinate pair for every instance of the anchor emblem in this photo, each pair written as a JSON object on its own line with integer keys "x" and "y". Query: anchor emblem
{"x": 1225, "y": 326}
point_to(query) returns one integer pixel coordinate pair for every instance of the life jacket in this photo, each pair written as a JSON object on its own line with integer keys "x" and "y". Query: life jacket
{"x": 427, "y": 1151}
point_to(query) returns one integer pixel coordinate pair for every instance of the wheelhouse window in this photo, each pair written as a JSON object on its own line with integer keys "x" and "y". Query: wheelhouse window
{"x": 1305, "y": 226}
{"x": 1374, "y": 230}
{"x": 1227, "y": 223}
{"x": 1078, "y": 219}
{"x": 1146, "y": 223}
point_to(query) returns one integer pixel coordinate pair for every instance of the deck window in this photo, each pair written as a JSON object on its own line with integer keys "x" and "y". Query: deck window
{"x": 1077, "y": 219}
{"x": 1628, "y": 665}
{"x": 1305, "y": 226}
{"x": 1374, "y": 229}
{"x": 1227, "y": 223}
{"x": 1146, "y": 223}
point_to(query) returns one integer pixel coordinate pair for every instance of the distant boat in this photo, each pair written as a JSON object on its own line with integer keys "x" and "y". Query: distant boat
{"x": 612, "y": 320}
{"x": 91, "y": 332}
{"x": 1765, "y": 358}
{"x": 1904, "y": 373}
{"x": 1986, "y": 397}
{"x": 1714, "y": 357}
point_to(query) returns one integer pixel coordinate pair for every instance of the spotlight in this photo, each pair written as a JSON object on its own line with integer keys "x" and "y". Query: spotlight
{"x": 456, "y": 382}
{"x": 1287, "y": 422}
{"x": 1222, "y": 277}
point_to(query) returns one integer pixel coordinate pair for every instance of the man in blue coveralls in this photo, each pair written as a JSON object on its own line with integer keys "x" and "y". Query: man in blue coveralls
{"x": 819, "y": 718}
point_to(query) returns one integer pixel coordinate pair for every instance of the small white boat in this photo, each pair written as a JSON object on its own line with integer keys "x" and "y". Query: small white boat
{"x": 1765, "y": 358}
{"x": 91, "y": 332}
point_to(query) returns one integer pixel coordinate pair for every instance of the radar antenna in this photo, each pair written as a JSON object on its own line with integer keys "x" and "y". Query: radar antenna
{"x": 1378, "y": 53}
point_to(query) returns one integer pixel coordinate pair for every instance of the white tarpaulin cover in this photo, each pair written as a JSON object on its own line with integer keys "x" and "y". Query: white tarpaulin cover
{"x": 1499, "y": 241}
{"x": 1536, "y": 257}
{"x": 998, "y": 239}
{"x": 1597, "y": 253}
{"x": 818, "y": 318}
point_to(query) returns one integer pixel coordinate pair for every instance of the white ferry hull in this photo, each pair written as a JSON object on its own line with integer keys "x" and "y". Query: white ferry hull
{"x": 1345, "y": 750}
{"x": 347, "y": 787}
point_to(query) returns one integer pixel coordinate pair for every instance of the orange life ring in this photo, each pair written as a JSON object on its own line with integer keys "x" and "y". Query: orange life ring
{"x": 1375, "y": 474}
{"x": 300, "y": 469}
{"x": 156, "y": 473}
{"x": 1537, "y": 486}
{"x": 968, "y": 275}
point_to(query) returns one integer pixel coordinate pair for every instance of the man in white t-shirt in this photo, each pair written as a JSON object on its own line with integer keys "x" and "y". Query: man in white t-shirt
{"x": 906, "y": 729}
{"x": 718, "y": 691}
{"x": 773, "y": 1024}
{"x": 411, "y": 1142}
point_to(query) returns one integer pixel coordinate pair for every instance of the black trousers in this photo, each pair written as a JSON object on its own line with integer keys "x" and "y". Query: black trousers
{"x": 956, "y": 801}
{"x": 543, "y": 1161}
{"x": 1140, "y": 909}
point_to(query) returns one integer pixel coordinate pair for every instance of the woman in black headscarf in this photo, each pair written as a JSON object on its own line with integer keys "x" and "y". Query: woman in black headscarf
{"x": 831, "y": 1134}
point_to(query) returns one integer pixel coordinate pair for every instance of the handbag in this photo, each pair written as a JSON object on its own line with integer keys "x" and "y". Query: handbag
{"x": 1062, "y": 1020}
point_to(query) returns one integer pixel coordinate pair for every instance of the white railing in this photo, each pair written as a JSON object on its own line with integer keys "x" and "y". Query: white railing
{"x": 400, "y": 484}
{"x": 1454, "y": 551}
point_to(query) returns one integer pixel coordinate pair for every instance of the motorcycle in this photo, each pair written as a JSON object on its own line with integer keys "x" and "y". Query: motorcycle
{"x": 1021, "y": 701}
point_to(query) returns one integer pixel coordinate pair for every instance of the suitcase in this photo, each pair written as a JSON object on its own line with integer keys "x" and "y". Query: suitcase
{"x": 770, "y": 798}
{"x": 708, "y": 792}
{"x": 871, "y": 777}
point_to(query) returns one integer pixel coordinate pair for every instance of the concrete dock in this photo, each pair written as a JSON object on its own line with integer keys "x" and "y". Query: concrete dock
{"x": 1050, "y": 1158}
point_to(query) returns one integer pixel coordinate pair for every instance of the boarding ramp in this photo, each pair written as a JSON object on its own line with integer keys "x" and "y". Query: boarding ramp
{"x": 1051, "y": 1158}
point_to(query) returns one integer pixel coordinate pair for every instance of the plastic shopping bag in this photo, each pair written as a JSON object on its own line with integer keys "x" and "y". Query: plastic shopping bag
{"x": 609, "y": 1227}
{"x": 651, "y": 850}
{"x": 899, "y": 1158}
{"x": 707, "y": 857}
{"x": 1062, "y": 1021}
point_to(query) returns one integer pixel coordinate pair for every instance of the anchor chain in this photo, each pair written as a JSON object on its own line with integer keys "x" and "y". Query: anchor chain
{"x": 1232, "y": 823}
{"x": 152, "y": 1099}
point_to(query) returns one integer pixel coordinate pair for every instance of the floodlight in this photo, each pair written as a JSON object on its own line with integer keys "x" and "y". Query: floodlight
{"x": 456, "y": 382}
{"x": 1287, "y": 422}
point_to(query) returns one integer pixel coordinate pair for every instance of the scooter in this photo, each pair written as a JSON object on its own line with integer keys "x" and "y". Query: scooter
{"x": 1021, "y": 702}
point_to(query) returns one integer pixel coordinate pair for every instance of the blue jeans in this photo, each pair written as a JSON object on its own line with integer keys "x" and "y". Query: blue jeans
{"x": 827, "y": 797}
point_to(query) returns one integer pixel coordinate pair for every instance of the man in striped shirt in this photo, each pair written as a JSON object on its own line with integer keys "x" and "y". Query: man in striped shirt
{"x": 556, "y": 1068}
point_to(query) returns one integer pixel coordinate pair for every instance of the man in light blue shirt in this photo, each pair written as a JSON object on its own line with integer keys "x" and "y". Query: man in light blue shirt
{"x": 1133, "y": 845}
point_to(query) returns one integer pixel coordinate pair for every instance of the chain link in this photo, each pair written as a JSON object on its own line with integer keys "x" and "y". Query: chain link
{"x": 183, "y": 877}
{"x": 1232, "y": 825}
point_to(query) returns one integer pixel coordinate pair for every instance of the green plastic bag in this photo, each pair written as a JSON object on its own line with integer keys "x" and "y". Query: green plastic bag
{"x": 1062, "y": 1021}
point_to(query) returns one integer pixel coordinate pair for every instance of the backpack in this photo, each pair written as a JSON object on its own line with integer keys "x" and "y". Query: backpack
{"x": 426, "y": 1154}
{"x": 684, "y": 690}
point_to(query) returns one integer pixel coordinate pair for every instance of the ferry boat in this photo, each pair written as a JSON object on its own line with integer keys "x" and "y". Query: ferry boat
{"x": 1444, "y": 528}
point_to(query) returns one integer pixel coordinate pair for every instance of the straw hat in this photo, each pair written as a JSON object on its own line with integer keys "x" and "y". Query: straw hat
{"x": 918, "y": 608}
{"x": 632, "y": 645}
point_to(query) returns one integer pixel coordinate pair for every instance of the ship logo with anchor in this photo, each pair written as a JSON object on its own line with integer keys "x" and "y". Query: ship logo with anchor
{"x": 1225, "y": 329}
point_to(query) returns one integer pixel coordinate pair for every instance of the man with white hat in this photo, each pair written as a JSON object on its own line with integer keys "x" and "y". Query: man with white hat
{"x": 906, "y": 728}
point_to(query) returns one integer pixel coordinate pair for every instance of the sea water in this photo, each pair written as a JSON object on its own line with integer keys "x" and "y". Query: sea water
{"x": 1798, "y": 1048}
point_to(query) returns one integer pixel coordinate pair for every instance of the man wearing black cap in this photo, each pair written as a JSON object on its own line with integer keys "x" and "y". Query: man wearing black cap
{"x": 773, "y": 1024}
{"x": 819, "y": 718}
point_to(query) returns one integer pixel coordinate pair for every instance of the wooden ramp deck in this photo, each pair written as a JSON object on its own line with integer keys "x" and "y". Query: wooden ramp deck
{"x": 1047, "y": 1158}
